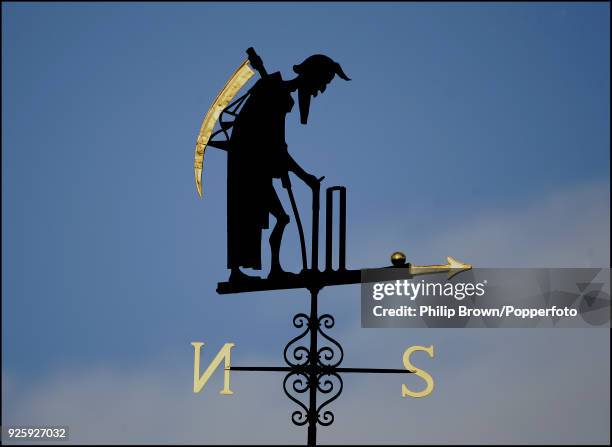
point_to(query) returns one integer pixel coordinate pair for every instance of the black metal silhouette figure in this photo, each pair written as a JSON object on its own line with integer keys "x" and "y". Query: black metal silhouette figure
{"x": 257, "y": 154}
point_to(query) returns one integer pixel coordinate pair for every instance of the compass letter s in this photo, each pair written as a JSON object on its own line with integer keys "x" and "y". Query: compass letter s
{"x": 200, "y": 381}
{"x": 419, "y": 372}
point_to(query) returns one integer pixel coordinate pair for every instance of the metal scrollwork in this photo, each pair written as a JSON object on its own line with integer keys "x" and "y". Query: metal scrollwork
{"x": 329, "y": 356}
{"x": 299, "y": 385}
{"x": 312, "y": 368}
{"x": 297, "y": 354}
{"x": 328, "y": 383}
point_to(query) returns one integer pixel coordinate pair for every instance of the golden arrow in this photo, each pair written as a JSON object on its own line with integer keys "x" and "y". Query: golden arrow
{"x": 453, "y": 266}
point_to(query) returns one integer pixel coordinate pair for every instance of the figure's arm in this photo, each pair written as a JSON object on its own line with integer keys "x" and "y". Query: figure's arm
{"x": 294, "y": 167}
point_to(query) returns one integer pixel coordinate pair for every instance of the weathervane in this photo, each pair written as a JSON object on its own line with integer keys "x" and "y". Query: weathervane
{"x": 252, "y": 132}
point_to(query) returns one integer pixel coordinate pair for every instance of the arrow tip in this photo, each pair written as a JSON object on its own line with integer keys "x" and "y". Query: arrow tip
{"x": 456, "y": 266}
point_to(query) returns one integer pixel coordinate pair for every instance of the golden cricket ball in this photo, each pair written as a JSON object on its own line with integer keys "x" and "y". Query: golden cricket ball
{"x": 398, "y": 259}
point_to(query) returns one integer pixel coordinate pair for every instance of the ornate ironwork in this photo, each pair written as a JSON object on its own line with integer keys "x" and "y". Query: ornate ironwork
{"x": 297, "y": 382}
{"x": 326, "y": 354}
{"x": 295, "y": 353}
{"x": 326, "y": 385}
{"x": 313, "y": 369}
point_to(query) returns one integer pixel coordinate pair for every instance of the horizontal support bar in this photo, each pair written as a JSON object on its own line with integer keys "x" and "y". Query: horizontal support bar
{"x": 305, "y": 280}
{"x": 261, "y": 368}
{"x": 311, "y": 280}
{"x": 321, "y": 369}
{"x": 375, "y": 370}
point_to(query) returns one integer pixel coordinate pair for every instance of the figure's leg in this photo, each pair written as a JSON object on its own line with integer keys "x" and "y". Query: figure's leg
{"x": 248, "y": 258}
{"x": 242, "y": 253}
{"x": 237, "y": 275}
{"x": 276, "y": 236}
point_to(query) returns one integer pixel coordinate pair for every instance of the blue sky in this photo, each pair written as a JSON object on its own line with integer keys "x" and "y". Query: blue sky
{"x": 474, "y": 130}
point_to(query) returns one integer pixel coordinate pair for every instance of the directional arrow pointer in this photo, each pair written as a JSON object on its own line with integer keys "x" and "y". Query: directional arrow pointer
{"x": 453, "y": 266}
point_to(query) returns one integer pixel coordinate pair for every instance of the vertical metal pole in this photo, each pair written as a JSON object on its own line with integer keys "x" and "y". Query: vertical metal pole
{"x": 312, "y": 377}
{"x": 314, "y": 262}
{"x": 329, "y": 219}
{"x": 342, "y": 244}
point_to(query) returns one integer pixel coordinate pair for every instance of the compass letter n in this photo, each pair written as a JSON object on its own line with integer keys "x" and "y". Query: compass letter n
{"x": 200, "y": 381}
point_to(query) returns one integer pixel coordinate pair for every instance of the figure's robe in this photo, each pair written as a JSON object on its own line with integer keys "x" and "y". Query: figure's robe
{"x": 257, "y": 153}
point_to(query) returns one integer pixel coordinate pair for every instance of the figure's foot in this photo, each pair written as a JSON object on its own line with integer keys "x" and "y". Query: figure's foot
{"x": 278, "y": 274}
{"x": 237, "y": 276}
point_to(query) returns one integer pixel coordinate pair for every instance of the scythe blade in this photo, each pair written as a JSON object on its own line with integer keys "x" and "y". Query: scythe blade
{"x": 223, "y": 99}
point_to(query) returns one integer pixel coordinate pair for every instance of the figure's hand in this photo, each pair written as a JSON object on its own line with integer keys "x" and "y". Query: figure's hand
{"x": 312, "y": 181}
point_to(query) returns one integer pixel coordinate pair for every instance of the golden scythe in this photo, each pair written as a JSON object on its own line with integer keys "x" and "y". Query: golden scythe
{"x": 223, "y": 99}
